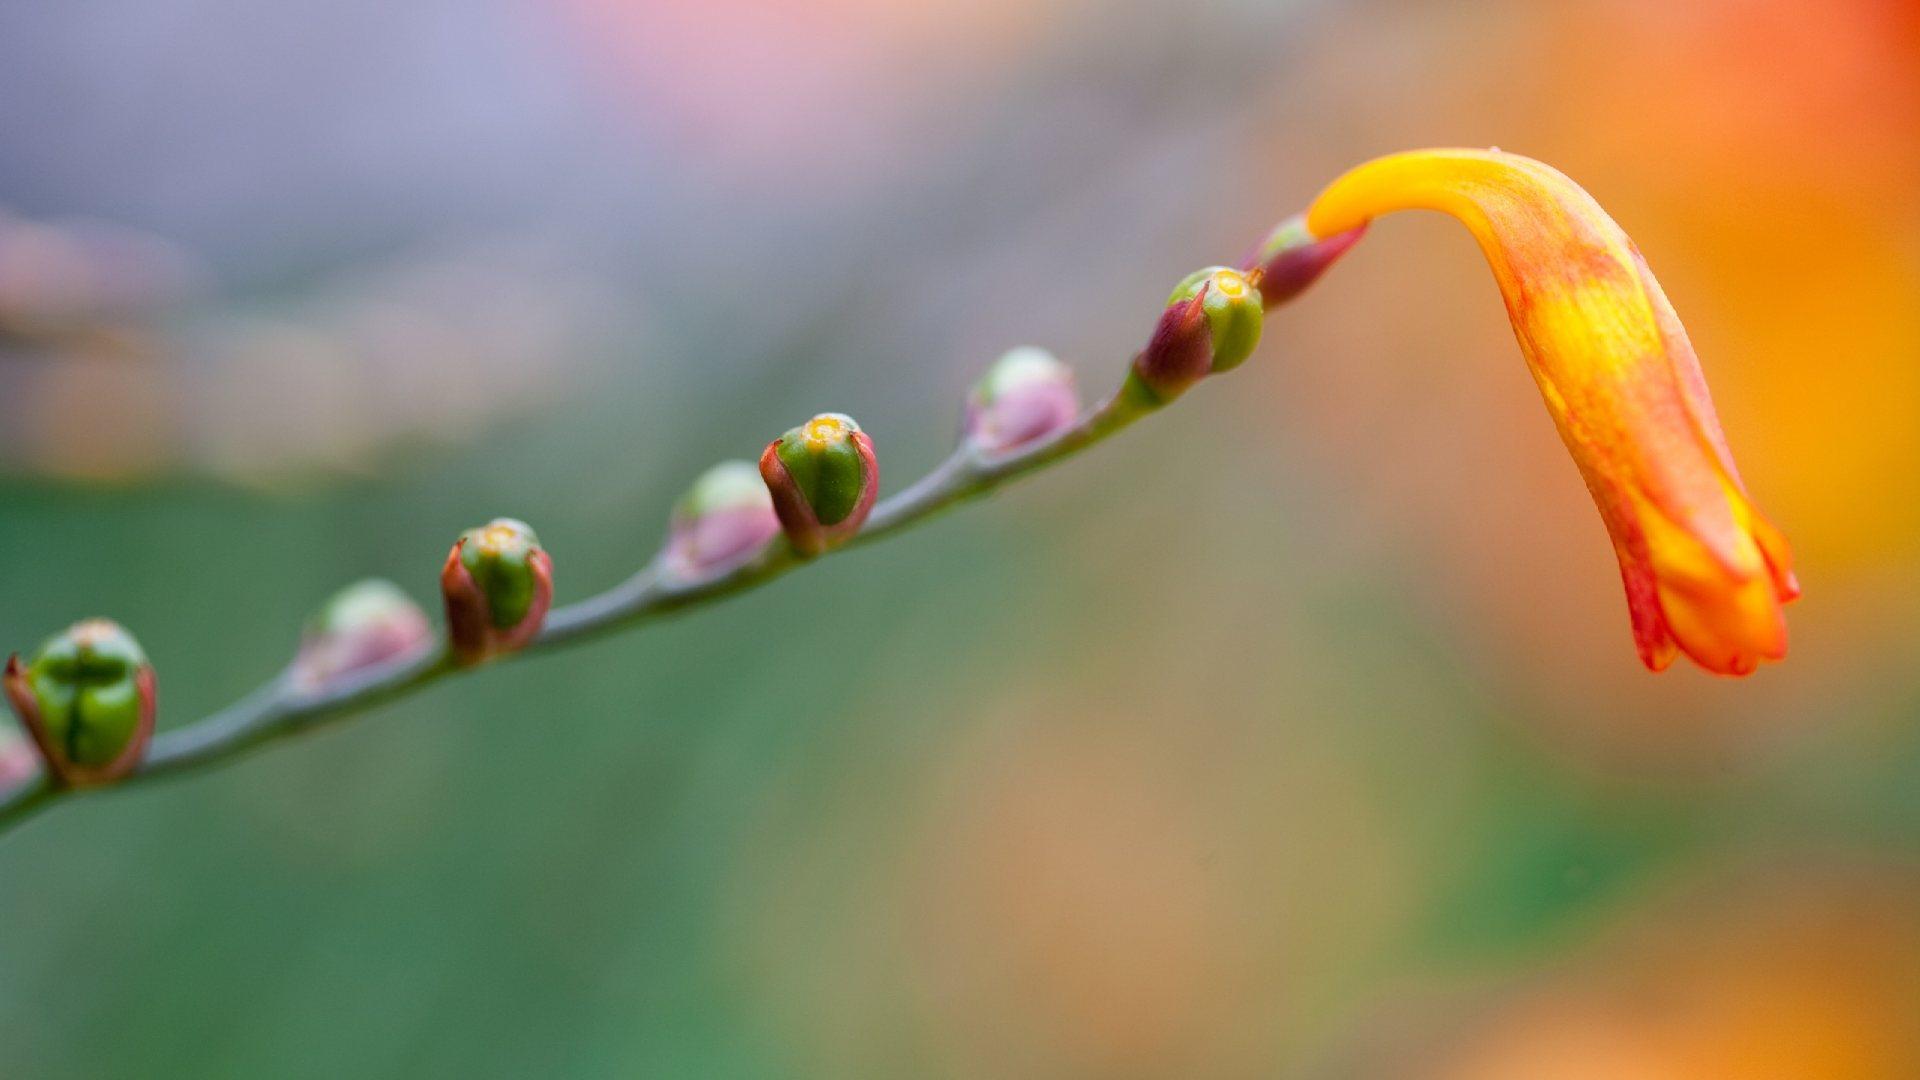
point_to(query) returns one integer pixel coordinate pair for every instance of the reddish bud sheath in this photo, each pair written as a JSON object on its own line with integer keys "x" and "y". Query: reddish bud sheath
{"x": 498, "y": 587}
{"x": 824, "y": 478}
{"x": 1290, "y": 259}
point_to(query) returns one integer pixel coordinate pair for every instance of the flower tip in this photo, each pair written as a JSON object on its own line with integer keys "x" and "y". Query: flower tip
{"x": 1726, "y": 623}
{"x": 1657, "y": 659}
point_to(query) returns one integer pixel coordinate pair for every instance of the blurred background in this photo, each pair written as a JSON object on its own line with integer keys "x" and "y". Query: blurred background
{"x": 1296, "y": 733}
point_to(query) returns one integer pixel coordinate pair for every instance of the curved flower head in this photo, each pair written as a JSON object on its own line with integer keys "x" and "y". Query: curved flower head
{"x": 1705, "y": 574}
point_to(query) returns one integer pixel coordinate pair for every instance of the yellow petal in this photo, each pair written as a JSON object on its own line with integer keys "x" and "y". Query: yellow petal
{"x": 1703, "y": 569}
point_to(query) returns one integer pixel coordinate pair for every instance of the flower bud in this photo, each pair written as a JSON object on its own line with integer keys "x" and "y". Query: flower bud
{"x": 363, "y": 625}
{"x": 498, "y": 585}
{"x": 824, "y": 479}
{"x": 87, "y": 698}
{"x": 724, "y": 518}
{"x": 1025, "y": 397}
{"x": 1211, "y": 324}
{"x": 19, "y": 761}
{"x": 1292, "y": 258}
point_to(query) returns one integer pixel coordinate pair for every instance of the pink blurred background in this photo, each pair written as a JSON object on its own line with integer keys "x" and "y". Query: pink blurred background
{"x": 1299, "y": 733}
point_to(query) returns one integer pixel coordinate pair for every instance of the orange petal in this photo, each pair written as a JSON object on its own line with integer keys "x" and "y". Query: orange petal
{"x": 1705, "y": 573}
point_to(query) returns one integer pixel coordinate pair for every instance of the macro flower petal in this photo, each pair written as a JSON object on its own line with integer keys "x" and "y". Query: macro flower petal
{"x": 1705, "y": 572}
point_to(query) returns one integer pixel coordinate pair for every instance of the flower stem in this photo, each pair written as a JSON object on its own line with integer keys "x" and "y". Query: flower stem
{"x": 281, "y": 708}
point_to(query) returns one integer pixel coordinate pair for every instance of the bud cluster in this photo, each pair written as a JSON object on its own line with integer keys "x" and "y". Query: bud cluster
{"x": 87, "y": 697}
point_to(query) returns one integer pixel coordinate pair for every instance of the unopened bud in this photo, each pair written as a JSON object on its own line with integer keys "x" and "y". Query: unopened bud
{"x": 724, "y": 518}
{"x": 1211, "y": 324}
{"x": 824, "y": 478}
{"x": 19, "y": 761}
{"x": 1025, "y": 397}
{"x": 498, "y": 585}
{"x": 1292, "y": 258}
{"x": 88, "y": 700}
{"x": 363, "y": 625}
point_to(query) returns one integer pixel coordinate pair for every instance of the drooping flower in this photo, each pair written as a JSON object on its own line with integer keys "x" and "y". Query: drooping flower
{"x": 1705, "y": 573}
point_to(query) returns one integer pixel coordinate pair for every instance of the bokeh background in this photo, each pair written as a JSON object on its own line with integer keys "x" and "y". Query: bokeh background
{"x": 1296, "y": 733}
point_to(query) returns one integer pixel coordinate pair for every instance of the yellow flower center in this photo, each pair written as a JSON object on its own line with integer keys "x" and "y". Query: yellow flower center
{"x": 823, "y": 431}
{"x": 497, "y": 538}
{"x": 1230, "y": 284}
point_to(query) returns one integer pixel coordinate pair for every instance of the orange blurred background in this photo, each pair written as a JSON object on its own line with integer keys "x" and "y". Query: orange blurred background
{"x": 1297, "y": 733}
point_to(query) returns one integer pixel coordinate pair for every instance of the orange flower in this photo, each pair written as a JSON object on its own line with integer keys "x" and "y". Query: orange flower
{"x": 1705, "y": 573}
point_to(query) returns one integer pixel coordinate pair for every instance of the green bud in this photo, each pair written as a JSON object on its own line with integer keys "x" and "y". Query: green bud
{"x": 825, "y": 465}
{"x": 1211, "y": 324}
{"x": 498, "y": 585}
{"x": 88, "y": 699}
{"x": 1234, "y": 312}
{"x": 824, "y": 478}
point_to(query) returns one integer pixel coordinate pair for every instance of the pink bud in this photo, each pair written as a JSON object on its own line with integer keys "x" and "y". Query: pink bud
{"x": 722, "y": 520}
{"x": 1024, "y": 398}
{"x": 19, "y": 761}
{"x": 1291, "y": 258}
{"x": 364, "y": 625}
